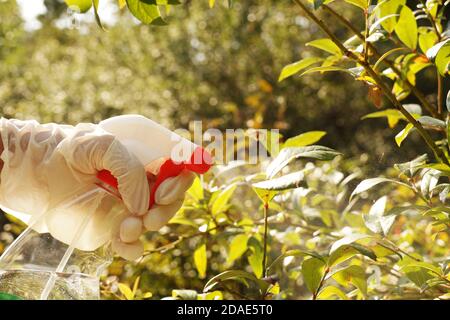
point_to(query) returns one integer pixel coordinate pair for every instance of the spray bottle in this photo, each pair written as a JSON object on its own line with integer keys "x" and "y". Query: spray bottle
{"x": 38, "y": 266}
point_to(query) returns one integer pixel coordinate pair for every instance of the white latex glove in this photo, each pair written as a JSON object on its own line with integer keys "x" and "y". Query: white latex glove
{"x": 44, "y": 164}
{"x": 168, "y": 199}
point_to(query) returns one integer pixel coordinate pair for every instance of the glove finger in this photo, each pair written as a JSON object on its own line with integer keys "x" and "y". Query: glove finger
{"x": 131, "y": 177}
{"x": 131, "y": 229}
{"x": 128, "y": 251}
{"x": 154, "y": 166}
{"x": 159, "y": 215}
{"x": 173, "y": 189}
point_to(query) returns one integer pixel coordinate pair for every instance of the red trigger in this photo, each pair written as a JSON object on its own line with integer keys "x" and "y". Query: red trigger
{"x": 200, "y": 162}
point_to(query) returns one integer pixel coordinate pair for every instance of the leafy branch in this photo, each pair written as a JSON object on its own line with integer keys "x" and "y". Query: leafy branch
{"x": 438, "y": 153}
{"x": 419, "y": 95}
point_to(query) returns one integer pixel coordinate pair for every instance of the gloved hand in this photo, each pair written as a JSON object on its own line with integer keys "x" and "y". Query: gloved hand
{"x": 43, "y": 164}
{"x": 168, "y": 200}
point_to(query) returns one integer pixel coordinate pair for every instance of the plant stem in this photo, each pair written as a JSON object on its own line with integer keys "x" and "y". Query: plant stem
{"x": 439, "y": 38}
{"x": 266, "y": 229}
{"x": 366, "y": 33}
{"x": 386, "y": 91}
{"x": 432, "y": 21}
{"x": 440, "y": 93}
{"x": 171, "y": 245}
{"x": 322, "y": 280}
{"x": 419, "y": 95}
{"x": 419, "y": 194}
{"x": 399, "y": 250}
{"x": 438, "y": 153}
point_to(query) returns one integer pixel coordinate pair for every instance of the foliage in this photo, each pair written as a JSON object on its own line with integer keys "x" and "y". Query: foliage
{"x": 353, "y": 251}
{"x": 325, "y": 239}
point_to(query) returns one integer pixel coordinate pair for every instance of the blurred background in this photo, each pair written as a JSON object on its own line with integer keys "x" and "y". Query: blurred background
{"x": 217, "y": 65}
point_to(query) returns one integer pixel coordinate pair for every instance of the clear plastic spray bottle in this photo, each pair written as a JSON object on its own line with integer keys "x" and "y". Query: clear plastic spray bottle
{"x": 38, "y": 266}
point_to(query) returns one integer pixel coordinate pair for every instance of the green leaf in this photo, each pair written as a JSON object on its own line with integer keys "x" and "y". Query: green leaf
{"x": 387, "y": 8}
{"x": 440, "y": 55}
{"x": 354, "y": 275}
{"x": 255, "y": 259}
{"x": 418, "y": 272}
{"x": 406, "y": 28}
{"x": 326, "y": 69}
{"x": 427, "y": 266}
{"x": 348, "y": 240}
{"x": 144, "y": 12}
{"x": 293, "y": 253}
{"x": 403, "y": 134}
{"x": 289, "y": 181}
{"x": 386, "y": 223}
{"x": 400, "y": 90}
{"x": 442, "y": 167}
{"x": 381, "y": 250}
{"x": 97, "y": 17}
{"x": 432, "y": 7}
{"x": 393, "y": 115}
{"x": 196, "y": 190}
{"x": 287, "y": 155}
{"x": 375, "y": 221}
{"x": 214, "y": 295}
{"x": 304, "y": 139}
{"x": 427, "y": 39}
{"x": 363, "y": 4}
{"x": 431, "y": 122}
{"x": 418, "y": 276}
{"x": 370, "y": 183}
{"x": 265, "y": 195}
{"x": 374, "y": 26}
{"x": 180, "y": 219}
{"x": 81, "y": 6}
{"x": 126, "y": 291}
{"x": 443, "y": 189}
{"x": 327, "y": 45}
{"x": 221, "y": 201}
{"x": 438, "y": 213}
{"x": 372, "y": 220}
{"x": 410, "y": 168}
{"x": 136, "y": 285}
{"x": 330, "y": 291}
{"x": 238, "y": 246}
{"x": 345, "y": 252}
{"x": 295, "y": 67}
{"x": 233, "y": 275}
{"x": 185, "y": 294}
{"x": 313, "y": 270}
{"x": 429, "y": 181}
{"x": 200, "y": 260}
{"x": 365, "y": 251}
